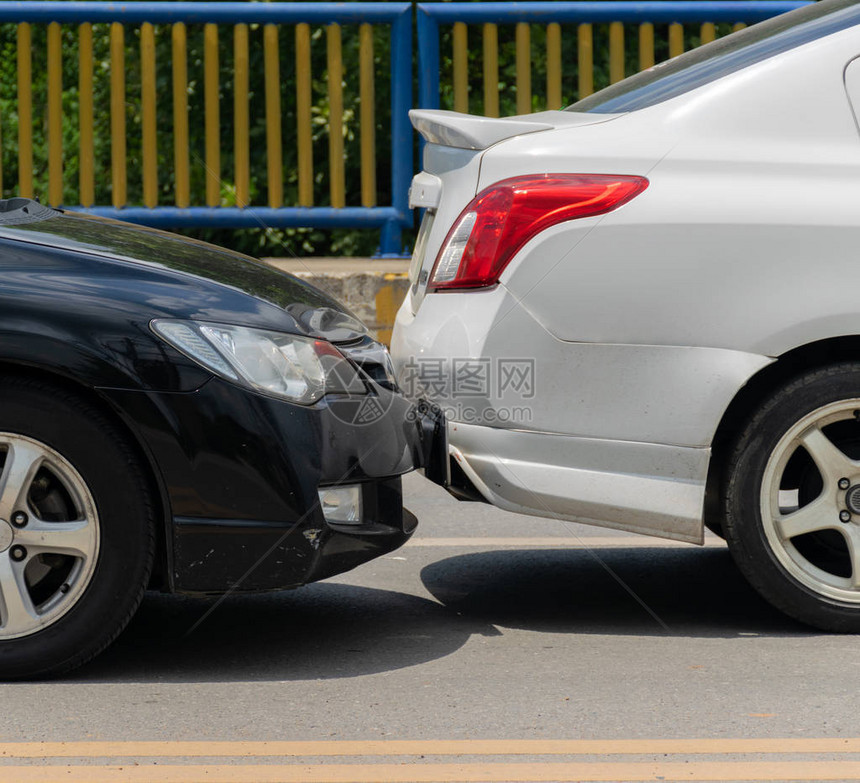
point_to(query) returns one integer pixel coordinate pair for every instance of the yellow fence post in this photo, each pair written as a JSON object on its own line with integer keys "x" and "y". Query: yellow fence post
{"x": 182, "y": 177}
{"x": 524, "y": 68}
{"x": 708, "y": 32}
{"x": 55, "y": 115}
{"x": 553, "y": 66}
{"x": 334, "y": 57}
{"x": 241, "y": 119}
{"x": 367, "y": 117}
{"x": 616, "y": 52}
{"x": 491, "y": 70}
{"x": 676, "y": 40}
{"x": 273, "y": 115}
{"x": 211, "y": 113}
{"x": 646, "y": 46}
{"x": 147, "y": 109}
{"x": 25, "y": 111}
{"x": 585, "y": 60}
{"x": 117, "y": 114}
{"x": 86, "y": 151}
{"x": 461, "y": 68}
{"x": 304, "y": 136}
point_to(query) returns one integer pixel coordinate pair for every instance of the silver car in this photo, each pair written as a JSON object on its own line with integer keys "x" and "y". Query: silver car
{"x": 643, "y": 312}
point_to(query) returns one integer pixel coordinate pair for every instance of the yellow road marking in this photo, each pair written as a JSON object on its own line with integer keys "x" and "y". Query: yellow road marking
{"x": 324, "y": 748}
{"x": 442, "y": 773}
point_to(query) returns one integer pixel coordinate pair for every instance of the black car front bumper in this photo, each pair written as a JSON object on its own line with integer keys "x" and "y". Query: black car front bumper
{"x": 241, "y": 472}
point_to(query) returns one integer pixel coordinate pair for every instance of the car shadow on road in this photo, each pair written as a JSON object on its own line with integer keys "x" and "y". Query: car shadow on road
{"x": 631, "y": 591}
{"x": 321, "y": 631}
{"x": 334, "y": 630}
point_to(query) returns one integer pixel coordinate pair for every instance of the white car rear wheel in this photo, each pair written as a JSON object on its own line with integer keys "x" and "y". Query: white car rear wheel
{"x": 792, "y": 499}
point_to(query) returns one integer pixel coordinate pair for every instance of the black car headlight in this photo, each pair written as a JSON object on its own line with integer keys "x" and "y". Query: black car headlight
{"x": 298, "y": 369}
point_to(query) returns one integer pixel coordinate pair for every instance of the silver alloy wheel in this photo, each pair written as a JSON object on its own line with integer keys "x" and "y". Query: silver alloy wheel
{"x": 49, "y": 536}
{"x": 787, "y": 517}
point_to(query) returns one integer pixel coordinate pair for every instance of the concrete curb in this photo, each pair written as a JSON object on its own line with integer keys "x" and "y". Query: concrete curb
{"x": 372, "y": 288}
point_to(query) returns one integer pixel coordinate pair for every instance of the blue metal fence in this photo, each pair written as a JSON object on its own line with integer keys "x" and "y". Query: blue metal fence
{"x": 390, "y": 218}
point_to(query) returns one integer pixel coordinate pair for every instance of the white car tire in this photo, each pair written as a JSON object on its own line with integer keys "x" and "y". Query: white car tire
{"x": 792, "y": 498}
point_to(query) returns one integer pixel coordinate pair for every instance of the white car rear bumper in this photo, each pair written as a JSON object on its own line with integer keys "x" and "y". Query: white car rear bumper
{"x": 641, "y": 487}
{"x": 613, "y": 434}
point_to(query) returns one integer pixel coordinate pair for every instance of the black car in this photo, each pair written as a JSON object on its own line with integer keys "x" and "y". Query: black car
{"x": 179, "y": 417}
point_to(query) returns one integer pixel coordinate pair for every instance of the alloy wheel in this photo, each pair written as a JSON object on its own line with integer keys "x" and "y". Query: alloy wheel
{"x": 49, "y": 536}
{"x": 810, "y": 501}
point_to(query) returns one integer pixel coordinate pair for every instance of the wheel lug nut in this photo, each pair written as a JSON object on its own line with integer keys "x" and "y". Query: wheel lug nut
{"x": 844, "y": 483}
{"x": 20, "y": 519}
{"x": 17, "y": 553}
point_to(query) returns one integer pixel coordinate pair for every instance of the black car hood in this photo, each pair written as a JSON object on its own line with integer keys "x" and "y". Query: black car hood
{"x": 315, "y": 312}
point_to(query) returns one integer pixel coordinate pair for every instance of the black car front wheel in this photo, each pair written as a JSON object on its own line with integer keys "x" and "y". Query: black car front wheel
{"x": 76, "y": 530}
{"x": 792, "y": 499}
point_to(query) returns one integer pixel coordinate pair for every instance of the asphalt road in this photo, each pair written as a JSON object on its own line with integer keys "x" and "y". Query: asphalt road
{"x": 484, "y": 639}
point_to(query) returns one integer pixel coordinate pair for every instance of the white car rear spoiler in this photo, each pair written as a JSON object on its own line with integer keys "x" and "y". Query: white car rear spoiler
{"x": 452, "y": 129}
{"x": 468, "y": 132}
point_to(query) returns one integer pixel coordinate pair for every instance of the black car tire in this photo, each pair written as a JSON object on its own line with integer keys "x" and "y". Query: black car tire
{"x": 789, "y": 522}
{"x": 72, "y": 431}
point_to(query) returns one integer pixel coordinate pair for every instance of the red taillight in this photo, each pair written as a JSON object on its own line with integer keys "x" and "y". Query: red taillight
{"x": 502, "y": 218}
